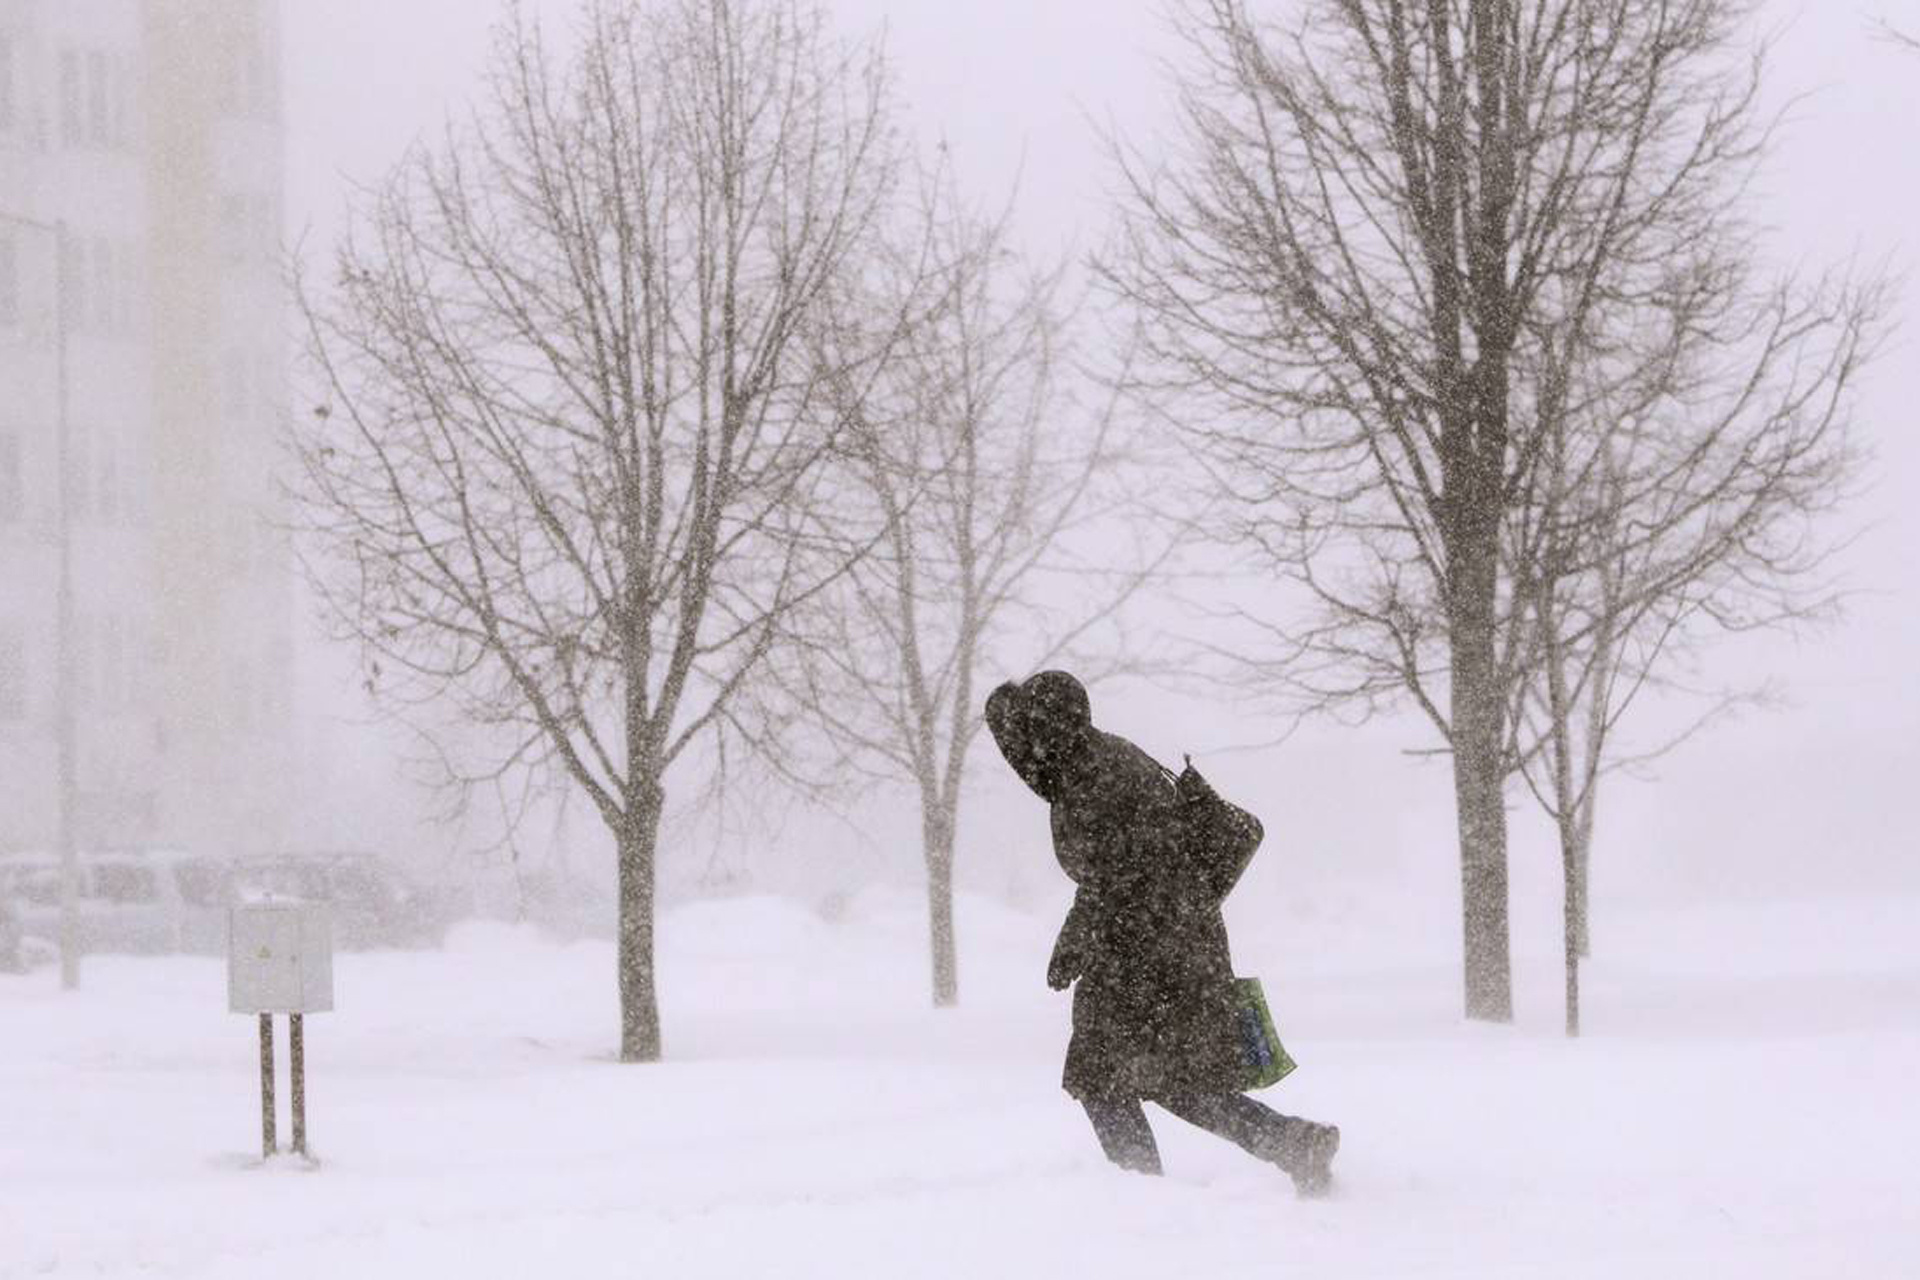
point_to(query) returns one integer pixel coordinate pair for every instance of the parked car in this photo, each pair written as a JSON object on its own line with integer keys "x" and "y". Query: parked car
{"x": 13, "y": 956}
{"x": 130, "y": 902}
{"x": 374, "y": 904}
{"x": 142, "y": 900}
{"x": 174, "y": 900}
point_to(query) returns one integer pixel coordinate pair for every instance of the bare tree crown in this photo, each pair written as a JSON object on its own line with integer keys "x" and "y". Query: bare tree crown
{"x": 579, "y": 467}
{"x": 1460, "y": 304}
{"x": 573, "y": 470}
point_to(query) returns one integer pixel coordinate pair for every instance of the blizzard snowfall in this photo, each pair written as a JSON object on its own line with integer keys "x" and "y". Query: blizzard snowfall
{"x": 1742, "y": 1107}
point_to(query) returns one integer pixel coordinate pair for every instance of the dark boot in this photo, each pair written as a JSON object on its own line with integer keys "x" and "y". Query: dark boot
{"x": 1312, "y": 1163}
{"x": 1302, "y": 1149}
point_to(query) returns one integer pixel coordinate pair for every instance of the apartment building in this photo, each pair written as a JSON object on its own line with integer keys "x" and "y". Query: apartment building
{"x": 150, "y": 131}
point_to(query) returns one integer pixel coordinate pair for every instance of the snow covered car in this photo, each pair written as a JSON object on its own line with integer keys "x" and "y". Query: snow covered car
{"x": 140, "y": 900}
{"x": 128, "y": 903}
{"x": 374, "y": 905}
{"x": 13, "y": 957}
{"x": 30, "y": 881}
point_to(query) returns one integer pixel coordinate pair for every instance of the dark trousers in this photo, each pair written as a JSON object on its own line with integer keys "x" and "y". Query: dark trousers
{"x": 1252, "y": 1126}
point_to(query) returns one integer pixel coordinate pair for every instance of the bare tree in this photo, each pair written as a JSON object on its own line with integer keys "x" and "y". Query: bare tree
{"x": 1393, "y": 235}
{"x": 575, "y": 470}
{"x": 1674, "y": 503}
{"x": 988, "y": 474}
{"x": 1897, "y": 35}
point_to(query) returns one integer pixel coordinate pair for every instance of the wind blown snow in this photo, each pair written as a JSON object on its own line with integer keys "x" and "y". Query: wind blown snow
{"x": 1740, "y": 1107}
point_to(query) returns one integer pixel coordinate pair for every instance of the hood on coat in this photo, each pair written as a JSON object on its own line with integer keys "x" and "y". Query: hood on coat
{"x": 1061, "y": 713}
{"x": 1054, "y": 724}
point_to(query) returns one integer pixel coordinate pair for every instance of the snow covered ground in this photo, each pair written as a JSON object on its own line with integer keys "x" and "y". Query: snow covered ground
{"x": 1743, "y": 1107}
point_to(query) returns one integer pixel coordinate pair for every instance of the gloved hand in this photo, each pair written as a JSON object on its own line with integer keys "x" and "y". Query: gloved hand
{"x": 1064, "y": 967}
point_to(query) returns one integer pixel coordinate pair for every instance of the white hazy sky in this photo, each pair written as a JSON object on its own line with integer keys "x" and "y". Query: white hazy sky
{"x": 1809, "y": 794}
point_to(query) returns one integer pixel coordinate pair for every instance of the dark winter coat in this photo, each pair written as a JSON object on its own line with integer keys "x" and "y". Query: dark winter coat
{"x": 1145, "y": 944}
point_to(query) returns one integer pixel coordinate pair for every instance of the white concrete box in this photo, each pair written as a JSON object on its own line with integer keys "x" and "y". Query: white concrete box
{"x": 280, "y": 958}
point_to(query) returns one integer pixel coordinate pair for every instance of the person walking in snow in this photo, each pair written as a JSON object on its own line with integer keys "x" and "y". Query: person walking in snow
{"x": 1144, "y": 946}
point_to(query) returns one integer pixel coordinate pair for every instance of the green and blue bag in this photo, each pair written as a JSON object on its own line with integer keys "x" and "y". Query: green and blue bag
{"x": 1219, "y": 839}
{"x": 1262, "y": 1053}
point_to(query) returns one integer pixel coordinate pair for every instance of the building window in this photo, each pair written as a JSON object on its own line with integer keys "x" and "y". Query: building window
{"x": 259, "y": 86}
{"x": 242, "y": 704}
{"x": 6, "y": 82}
{"x": 113, "y": 675}
{"x": 100, "y": 286}
{"x": 9, "y": 282}
{"x": 93, "y": 98}
{"x": 139, "y": 663}
{"x": 126, "y": 259}
{"x": 77, "y": 471}
{"x": 249, "y": 83}
{"x": 82, "y": 642}
{"x": 104, "y": 656}
{"x": 105, "y": 485}
{"x": 266, "y": 228}
{"x": 106, "y": 498}
{"x": 73, "y": 282}
{"x": 227, "y": 84}
{"x": 114, "y": 285}
{"x": 233, "y": 228}
{"x": 10, "y": 488}
{"x": 71, "y": 133}
{"x": 136, "y": 480}
{"x": 13, "y": 674}
{"x": 123, "y": 85}
{"x": 269, "y": 76}
{"x": 267, "y": 392}
{"x": 99, "y": 115}
{"x": 249, "y": 228}
{"x": 121, "y": 314}
{"x": 103, "y": 286}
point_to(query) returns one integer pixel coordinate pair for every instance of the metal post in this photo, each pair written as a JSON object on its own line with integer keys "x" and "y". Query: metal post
{"x": 269, "y": 1142}
{"x": 65, "y": 728}
{"x": 297, "y": 1052}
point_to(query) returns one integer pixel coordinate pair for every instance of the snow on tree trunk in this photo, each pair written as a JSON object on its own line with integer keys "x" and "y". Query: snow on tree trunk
{"x": 1479, "y": 781}
{"x": 638, "y": 841}
{"x": 1572, "y": 914}
{"x": 946, "y": 963}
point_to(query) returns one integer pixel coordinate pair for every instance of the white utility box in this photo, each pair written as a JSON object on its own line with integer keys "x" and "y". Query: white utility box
{"x": 280, "y": 958}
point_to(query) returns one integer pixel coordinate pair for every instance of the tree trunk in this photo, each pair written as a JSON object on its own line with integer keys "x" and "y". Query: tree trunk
{"x": 1479, "y": 783}
{"x": 638, "y": 839}
{"x": 1597, "y": 705}
{"x": 946, "y": 961}
{"x": 1582, "y": 855}
{"x": 1600, "y": 701}
{"x": 1572, "y": 915}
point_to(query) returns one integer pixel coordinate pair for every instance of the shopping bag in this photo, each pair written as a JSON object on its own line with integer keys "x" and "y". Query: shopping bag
{"x": 1262, "y": 1053}
{"x": 1219, "y": 837}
